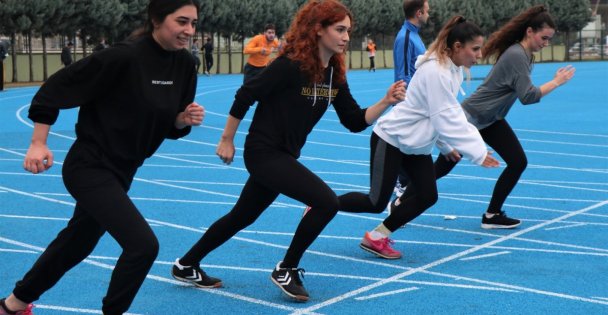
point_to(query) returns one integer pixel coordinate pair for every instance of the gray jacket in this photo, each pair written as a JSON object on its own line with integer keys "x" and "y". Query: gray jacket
{"x": 508, "y": 81}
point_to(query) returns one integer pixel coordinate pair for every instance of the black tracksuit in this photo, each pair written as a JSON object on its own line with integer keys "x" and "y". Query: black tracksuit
{"x": 129, "y": 97}
{"x": 289, "y": 107}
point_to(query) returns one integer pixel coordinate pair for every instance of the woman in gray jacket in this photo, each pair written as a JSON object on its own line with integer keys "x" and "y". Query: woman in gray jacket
{"x": 512, "y": 46}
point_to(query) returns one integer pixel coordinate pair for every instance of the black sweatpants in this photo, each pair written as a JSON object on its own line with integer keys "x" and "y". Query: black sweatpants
{"x": 501, "y": 138}
{"x": 385, "y": 162}
{"x": 271, "y": 174}
{"x": 102, "y": 205}
{"x": 250, "y": 71}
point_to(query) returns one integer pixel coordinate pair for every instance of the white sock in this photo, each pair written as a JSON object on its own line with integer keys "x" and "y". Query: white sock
{"x": 380, "y": 232}
{"x": 375, "y": 235}
{"x": 490, "y": 215}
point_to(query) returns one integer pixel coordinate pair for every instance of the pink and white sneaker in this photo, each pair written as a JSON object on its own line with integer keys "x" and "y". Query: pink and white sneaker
{"x": 26, "y": 311}
{"x": 381, "y": 248}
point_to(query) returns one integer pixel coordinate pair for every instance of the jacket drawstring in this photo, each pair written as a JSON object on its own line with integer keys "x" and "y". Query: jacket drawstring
{"x": 331, "y": 77}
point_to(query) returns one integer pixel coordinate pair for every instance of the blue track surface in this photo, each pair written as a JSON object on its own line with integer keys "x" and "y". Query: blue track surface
{"x": 556, "y": 262}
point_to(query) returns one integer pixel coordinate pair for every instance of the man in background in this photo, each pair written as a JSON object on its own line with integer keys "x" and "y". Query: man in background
{"x": 66, "y": 54}
{"x": 3, "y": 55}
{"x": 408, "y": 46}
{"x": 259, "y": 49}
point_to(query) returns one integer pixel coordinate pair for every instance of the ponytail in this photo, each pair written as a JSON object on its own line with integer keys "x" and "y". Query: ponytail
{"x": 514, "y": 31}
{"x": 457, "y": 29}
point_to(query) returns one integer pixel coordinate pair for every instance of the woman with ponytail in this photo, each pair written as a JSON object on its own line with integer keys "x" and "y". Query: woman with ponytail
{"x": 293, "y": 92}
{"x": 406, "y": 135}
{"x": 512, "y": 48}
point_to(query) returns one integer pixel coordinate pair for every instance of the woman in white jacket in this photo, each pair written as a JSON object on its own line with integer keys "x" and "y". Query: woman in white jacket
{"x": 406, "y": 135}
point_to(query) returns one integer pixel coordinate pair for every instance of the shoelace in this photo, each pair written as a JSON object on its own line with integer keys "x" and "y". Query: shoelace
{"x": 298, "y": 271}
{"x": 387, "y": 242}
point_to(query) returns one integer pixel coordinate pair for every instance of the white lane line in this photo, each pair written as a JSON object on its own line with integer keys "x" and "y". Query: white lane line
{"x": 71, "y": 309}
{"x": 377, "y": 295}
{"x": 378, "y": 263}
{"x": 457, "y": 256}
{"x": 586, "y": 135}
{"x": 486, "y": 255}
{"x": 565, "y": 226}
{"x": 6, "y": 250}
{"x": 163, "y": 279}
{"x": 352, "y": 238}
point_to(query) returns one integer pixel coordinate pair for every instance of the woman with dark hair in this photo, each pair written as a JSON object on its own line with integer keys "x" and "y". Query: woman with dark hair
{"x": 512, "y": 47}
{"x": 293, "y": 92}
{"x": 131, "y": 97}
{"x": 404, "y": 138}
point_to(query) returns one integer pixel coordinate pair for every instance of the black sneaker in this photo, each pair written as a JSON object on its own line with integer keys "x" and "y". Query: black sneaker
{"x": 194, "y": 275}
{"x": 288, "y": 280}
{"x": 498, "y": 221}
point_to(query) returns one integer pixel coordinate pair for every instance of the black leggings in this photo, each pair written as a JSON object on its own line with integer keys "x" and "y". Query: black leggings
{"x": 503, "y": 140}
{"x": 102, "y": 205}
{"x": 385, "y": 162}
{"x": 271, "y": 175}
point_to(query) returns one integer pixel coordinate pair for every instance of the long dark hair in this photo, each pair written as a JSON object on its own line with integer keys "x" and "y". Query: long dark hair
{"x": 536, "y": 17}
{"x": 158, "y": 11}
{"x": 457, "y": 29}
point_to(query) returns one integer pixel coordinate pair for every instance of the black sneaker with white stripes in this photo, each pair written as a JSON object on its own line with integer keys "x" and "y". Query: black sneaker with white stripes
{"x": 194, "y": 275}
{"x": 288, "y": 280}
{"x": 498, "y": 221}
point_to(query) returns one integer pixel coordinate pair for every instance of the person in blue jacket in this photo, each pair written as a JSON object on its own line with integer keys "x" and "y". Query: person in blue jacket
{"x": 408, "y": 46}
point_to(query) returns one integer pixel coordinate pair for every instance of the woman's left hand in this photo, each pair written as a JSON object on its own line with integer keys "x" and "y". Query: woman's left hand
{"x": 191, "y": 116}
{"x": 396, "y": 93}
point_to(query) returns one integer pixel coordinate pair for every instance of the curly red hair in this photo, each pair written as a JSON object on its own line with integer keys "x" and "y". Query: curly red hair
{"x": 303, "y": 41}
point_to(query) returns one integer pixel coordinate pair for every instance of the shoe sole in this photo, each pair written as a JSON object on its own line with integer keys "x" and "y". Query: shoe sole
{"x": 369, "y": 249}
{"x": 299, "y": 298}
{"x": 496, "y": 226}
{"x": 213, "y": 286}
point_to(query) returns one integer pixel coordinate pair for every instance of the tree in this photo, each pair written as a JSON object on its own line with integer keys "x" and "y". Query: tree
{"x": 97, "y": 18}
{"x": 570, "y": 16}
{"x": 133, "y": 17}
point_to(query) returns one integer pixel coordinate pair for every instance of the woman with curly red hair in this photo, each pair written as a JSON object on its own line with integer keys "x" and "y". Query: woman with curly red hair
{"x": 293, "y": 93}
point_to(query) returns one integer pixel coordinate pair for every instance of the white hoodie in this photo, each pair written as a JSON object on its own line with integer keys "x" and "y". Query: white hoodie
{"x": 431, "y": 111}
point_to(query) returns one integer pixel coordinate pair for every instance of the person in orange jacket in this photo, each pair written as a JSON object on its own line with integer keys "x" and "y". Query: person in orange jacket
{"x": 371, "y": 53}
{"x": 259, "y": 49}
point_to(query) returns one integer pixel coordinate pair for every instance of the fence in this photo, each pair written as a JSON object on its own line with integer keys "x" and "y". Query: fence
{"x": 229, "y": 58}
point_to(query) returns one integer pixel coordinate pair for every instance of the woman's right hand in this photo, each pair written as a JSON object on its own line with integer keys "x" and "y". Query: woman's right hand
{"x": 563, "y": 75}
{"x": 225, "y": 150}
{"x": 38, "y": 158}
{"x": 490, "y": 161}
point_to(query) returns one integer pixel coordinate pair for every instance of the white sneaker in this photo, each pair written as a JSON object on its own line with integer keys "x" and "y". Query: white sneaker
{"x": 399, "y": 190}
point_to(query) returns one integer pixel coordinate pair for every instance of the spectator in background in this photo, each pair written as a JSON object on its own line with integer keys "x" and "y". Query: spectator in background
{"x": 3, "y": 54}
{"x": 195, "y": 54}
{"x": 66, "y": 54}
{"x": 408, "y": 46}
{"x": 208, "y": 49}
{"x": 259, "y": 49}
{"x": 371, "y": 53}
{"x": 101, "y": 46}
